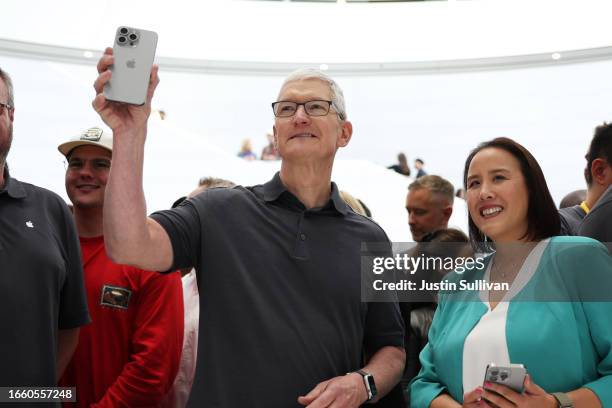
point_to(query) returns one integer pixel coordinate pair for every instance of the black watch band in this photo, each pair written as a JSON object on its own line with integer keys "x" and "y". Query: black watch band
{"x": 370, "y": 385}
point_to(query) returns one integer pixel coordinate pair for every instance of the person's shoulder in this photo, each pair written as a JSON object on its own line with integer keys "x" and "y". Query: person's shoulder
{"x": 34, "y": 189}
{"x": 222, "y": 195}
{"x": 572, "y": 211}
{"x": 367, "y": 225}
{"x": 574, "y": 248}
{"x": 41, "y": 195}
{"x": 573, "y": 241}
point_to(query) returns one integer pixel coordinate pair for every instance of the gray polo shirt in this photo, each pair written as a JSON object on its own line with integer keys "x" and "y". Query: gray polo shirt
{"x": 571, "y": 218}
{"x": 41, "y": 282}
{"x": 280, "y": 293}
{"x": 598, "y": 223}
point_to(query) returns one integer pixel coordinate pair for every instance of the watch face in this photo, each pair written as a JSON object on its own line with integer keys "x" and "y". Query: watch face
{"x": 372, "y": 385}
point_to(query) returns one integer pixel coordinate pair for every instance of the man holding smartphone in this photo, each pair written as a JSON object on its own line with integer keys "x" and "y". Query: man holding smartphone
{"x": 278, "y": 264}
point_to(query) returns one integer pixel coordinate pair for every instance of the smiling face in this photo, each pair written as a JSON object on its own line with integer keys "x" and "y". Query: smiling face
{"x": 86, "y": 176}
{"x": 302, "y": 137}
{"x": 497, "y": 195}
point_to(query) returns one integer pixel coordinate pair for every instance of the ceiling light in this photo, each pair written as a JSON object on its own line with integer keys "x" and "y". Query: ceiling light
{"x": 556, "y": 56}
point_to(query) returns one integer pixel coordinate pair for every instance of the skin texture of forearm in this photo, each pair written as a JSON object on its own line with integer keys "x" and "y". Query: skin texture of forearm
{"x": 387, "y": 366}
{"x": 131, "y": 237}
{"x": 125, "y": 220}
{"x": 584, "y": 398}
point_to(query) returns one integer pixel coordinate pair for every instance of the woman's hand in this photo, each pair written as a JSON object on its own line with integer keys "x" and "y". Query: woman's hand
{"x": 498, "y": 395}
{"x": 473, "y": 399}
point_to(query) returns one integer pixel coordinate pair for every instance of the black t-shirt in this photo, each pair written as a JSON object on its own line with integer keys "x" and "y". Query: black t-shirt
{"x": 41, "y": 282}
{"x": 280, "y": 293}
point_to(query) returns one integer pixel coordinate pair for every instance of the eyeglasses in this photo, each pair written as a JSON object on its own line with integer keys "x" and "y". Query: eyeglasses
{"x": 286, "y": 109}
{"x": 97, "y": 165}
{"x": 4, "y": 106}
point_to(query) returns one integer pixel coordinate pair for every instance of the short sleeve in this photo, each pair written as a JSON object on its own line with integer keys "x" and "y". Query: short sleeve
{"x": 183, "y": 226}
{"x": 384, "y": 321}
{"x": 73, "y": 310}
{"x": 384, "y": 326}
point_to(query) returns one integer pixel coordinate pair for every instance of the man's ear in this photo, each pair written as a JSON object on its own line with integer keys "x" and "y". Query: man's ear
{"x": 346, "y": 134}
{"x": 600, "y": 171}
{"x": 448, "y": 211}
{"x": 275, "y": 137}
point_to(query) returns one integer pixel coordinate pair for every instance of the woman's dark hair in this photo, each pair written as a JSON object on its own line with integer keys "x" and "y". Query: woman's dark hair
{"x": 542, "y": 215}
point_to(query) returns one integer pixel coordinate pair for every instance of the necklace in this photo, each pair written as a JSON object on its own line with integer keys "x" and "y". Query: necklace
{"x": 500, "y": 270}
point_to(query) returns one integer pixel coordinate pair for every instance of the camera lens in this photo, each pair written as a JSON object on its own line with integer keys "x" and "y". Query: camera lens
{"x": 133, "y": 37}
{"x": 121, "y": 40}
{"x": 123, "y": 30}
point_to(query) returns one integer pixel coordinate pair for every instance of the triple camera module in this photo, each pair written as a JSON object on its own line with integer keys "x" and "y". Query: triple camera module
{"x": 127, "y": 36}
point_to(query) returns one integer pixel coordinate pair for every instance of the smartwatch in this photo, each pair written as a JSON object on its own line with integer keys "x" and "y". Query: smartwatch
{"x": 368, "y": 381}
{"x": 563, "y": 400}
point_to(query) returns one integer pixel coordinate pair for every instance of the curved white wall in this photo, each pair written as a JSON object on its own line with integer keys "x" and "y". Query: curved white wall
{"x": 551, "y": 110}
{"x": 282, "y": 31}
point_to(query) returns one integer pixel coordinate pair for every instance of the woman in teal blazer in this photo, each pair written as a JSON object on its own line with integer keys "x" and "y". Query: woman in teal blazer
{"x": 556, "y": 317}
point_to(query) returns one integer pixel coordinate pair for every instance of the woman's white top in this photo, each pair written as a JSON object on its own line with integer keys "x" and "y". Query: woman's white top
{"x": 486, "y": 343}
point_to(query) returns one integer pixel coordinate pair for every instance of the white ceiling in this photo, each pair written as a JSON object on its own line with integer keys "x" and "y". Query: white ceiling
{"x": 233, "y": 30}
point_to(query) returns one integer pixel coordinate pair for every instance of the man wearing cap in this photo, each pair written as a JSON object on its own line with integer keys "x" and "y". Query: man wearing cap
{"x": 278, "y": 265}
{"x": 129, "y": 355}
{"x": 41, "y": 277}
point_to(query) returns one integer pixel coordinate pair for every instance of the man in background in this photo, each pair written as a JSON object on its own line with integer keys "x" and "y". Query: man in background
{"x": 418, "y": 165}
{"x": 129, "y": 355}
{"x": 598, "y": 176}
{"x": 429, "y": 204}
{"x": 41, "y": 279}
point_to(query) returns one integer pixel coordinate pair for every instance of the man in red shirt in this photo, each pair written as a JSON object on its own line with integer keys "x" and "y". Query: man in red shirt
{"x": 129, "y": 355}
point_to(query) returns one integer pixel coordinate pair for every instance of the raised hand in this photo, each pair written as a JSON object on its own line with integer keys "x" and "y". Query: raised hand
{"x": 121, "y": 117}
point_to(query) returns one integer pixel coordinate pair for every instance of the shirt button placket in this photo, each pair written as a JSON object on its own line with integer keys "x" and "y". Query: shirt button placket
{"x": 301, "y": 249}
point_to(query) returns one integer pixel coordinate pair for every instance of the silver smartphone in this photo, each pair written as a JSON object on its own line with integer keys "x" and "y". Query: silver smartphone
{"x": 134, "y": 51}
{"x": 512, "y": 376}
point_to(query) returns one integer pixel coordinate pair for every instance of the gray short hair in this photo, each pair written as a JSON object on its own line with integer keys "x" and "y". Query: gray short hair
{"x": 214, "y": 182}
{"x": 435, "y": 184}
{"x": 337, "y": 96}
{"x": 4, "y": 76}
